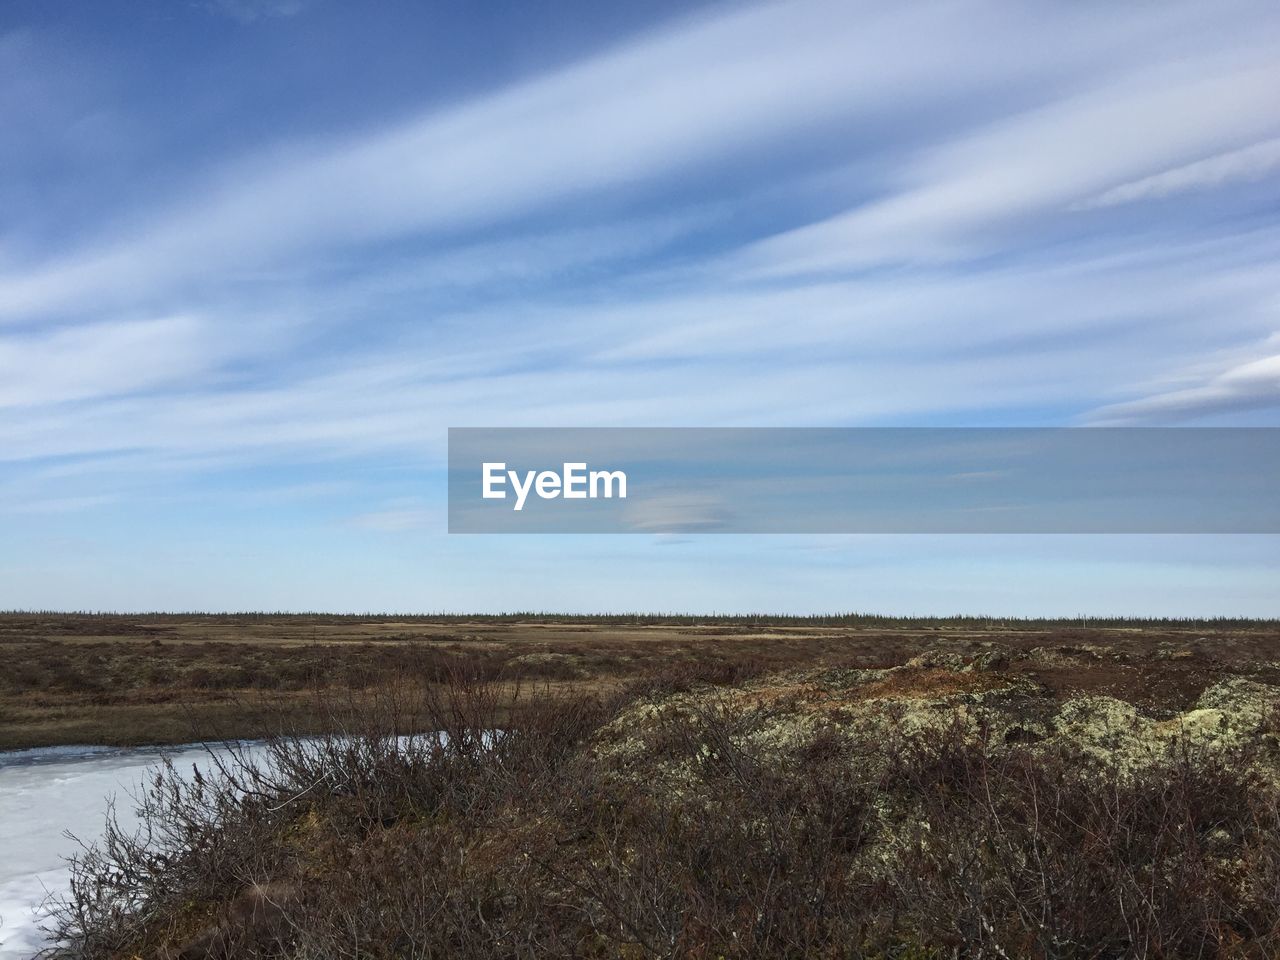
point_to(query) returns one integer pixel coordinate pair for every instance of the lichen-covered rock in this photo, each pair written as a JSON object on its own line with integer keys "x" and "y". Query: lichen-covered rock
{"x": 937, "y": 659}
{"x": 1106, "y": 730}
{"x": 1243, "y": 696}
{"x": 778, "y": 716}
{"x": 1231, "y": 714}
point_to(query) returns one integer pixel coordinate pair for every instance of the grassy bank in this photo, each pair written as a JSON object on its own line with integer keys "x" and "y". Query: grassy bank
{"x": 978, "y": 799}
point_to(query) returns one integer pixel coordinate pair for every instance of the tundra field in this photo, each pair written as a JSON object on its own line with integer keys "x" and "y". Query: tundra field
{"x": 661, "y": 787}
{"x": 126, "y": 680}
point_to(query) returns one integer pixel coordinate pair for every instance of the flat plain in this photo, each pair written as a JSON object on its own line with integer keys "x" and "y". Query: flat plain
{"x": 662, "y": 787}
{"x": 174, "y": 678}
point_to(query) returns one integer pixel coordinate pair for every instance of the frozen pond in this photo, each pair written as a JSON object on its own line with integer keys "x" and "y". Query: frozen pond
{"x": 43, "y": 794}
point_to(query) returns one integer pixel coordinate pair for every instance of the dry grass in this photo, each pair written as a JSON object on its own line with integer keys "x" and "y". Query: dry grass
{"x": 672, "y": 822}
{"x": 173, "y": 678}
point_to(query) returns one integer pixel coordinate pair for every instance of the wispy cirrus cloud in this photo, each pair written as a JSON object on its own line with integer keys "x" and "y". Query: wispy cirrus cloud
{"x": 802, "y": 213}
{"x": 251, "y": 11}
{"x": 967, "y": 198}
{"x": 400, "y": 517}
{"x": 1246, "y": 164}
{"x": 690, "y": 95}
{"x": 103, "y": 359}
{"x": 678, "y": 513}
{"x": 1245, "y": 386}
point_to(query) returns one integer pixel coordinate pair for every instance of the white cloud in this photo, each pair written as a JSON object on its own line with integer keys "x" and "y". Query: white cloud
{"x": 699, "y": 91}
{"x": 1054, "y": 335}
{"x": 104, "y": 359}
{"x": 677, "y": 513}
{"x": 963, "y": 198}
{"x": 1247, "y": 164}
{"x": 251, "y": 11}
{"x": 1250, "y": 385}
{"x": 401, "y": 517}
{"x": 40, "y": 505}
{"x": 1031, "y": 129}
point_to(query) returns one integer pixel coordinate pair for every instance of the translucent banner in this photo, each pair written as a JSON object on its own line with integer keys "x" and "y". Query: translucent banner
{"x": 864, "y": 480}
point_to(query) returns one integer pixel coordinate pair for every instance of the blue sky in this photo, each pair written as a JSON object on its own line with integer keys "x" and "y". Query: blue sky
{"x": 256, "y": 256}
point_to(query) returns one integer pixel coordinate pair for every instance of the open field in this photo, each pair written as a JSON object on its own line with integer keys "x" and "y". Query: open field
{"x": 177, "y": 678}
{"x": 924, "y": 790}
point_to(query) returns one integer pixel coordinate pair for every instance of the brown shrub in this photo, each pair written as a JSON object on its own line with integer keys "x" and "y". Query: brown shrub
{"x": 532, "y": 841}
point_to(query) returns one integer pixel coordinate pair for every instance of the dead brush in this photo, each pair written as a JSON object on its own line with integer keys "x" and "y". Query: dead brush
{"x": 466, "y": 820}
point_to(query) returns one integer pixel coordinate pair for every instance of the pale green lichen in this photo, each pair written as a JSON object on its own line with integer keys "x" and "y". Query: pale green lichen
{"x": 775, "y": 719}
{"x": 778, "y": 716}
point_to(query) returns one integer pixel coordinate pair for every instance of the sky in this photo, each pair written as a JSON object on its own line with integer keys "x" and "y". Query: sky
{"x": 257, "y": 256}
